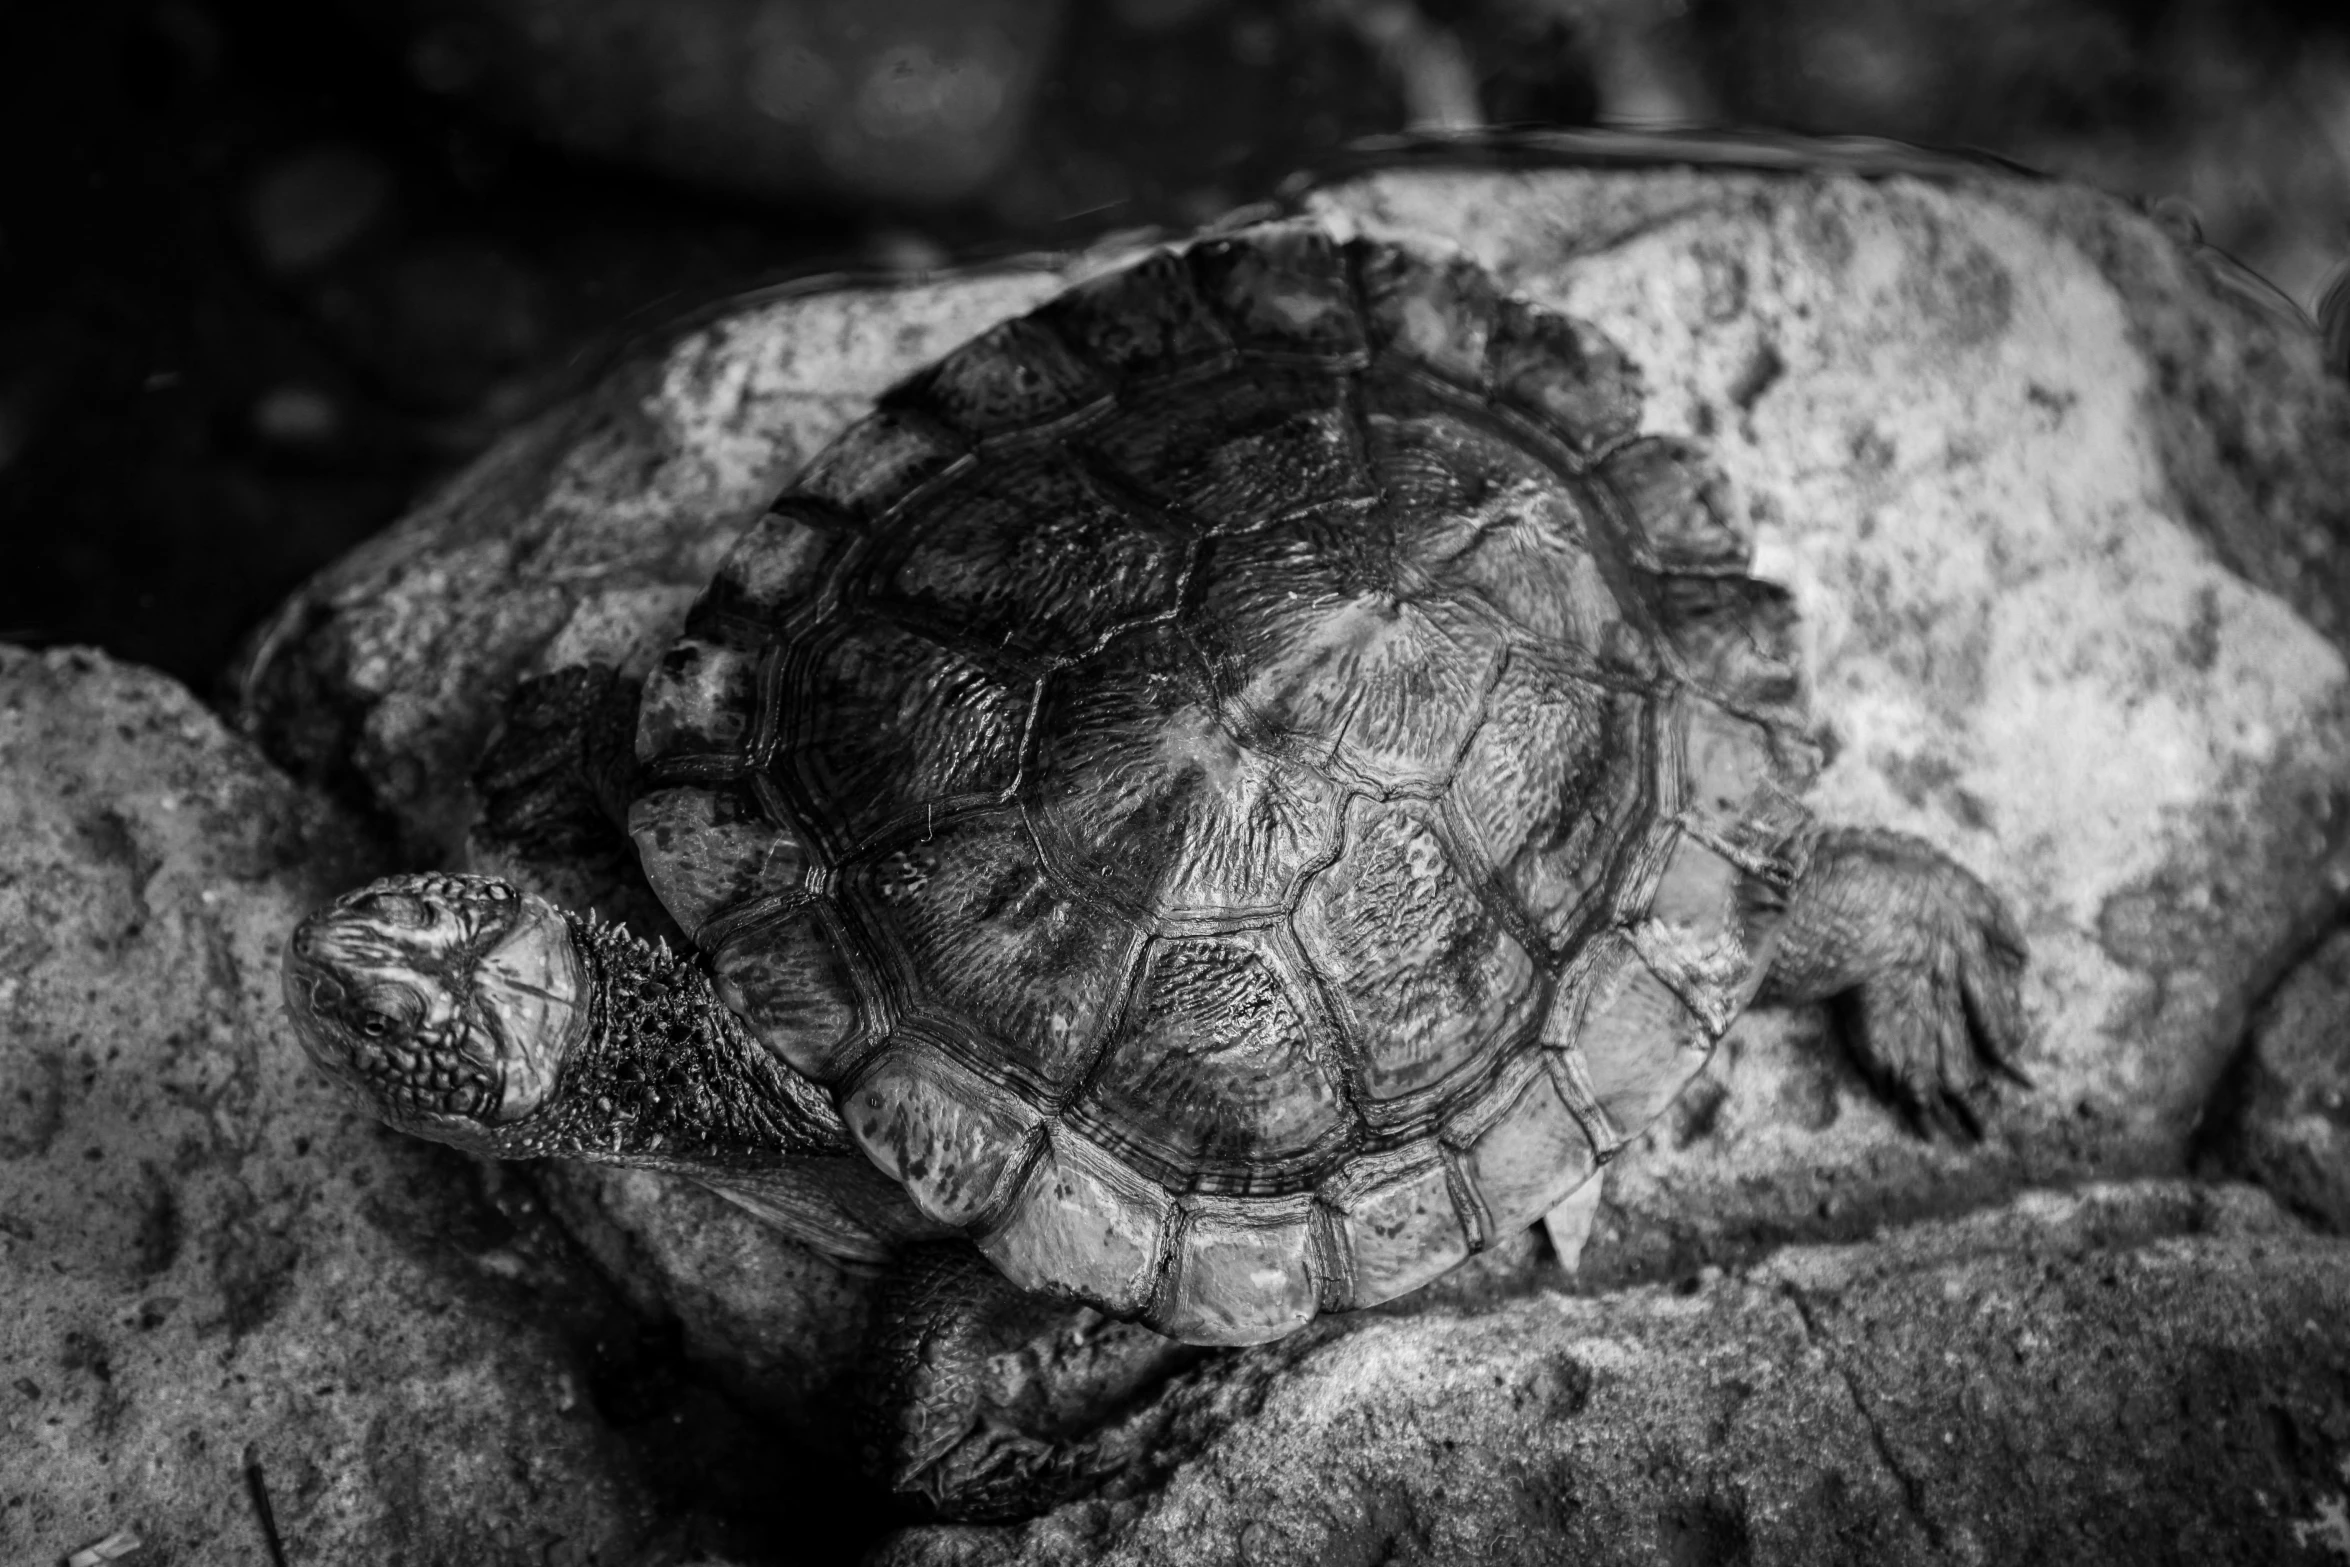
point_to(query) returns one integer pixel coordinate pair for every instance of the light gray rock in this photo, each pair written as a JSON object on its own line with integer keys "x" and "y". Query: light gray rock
{"x": 2135, "y": 1373}
{"x": 208, "y": 1263}
{"x": 2063, "y": 502}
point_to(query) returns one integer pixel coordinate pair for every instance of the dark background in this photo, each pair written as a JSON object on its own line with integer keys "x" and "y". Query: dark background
{"x": 266, "y": 270}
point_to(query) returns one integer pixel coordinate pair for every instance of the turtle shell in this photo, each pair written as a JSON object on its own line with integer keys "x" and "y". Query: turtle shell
{"x": 1247, "y": 783}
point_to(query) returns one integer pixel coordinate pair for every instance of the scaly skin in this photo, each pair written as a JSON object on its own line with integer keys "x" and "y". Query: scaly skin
{"x": 463, "y": 1010}
{"x": 1919, "y": 963}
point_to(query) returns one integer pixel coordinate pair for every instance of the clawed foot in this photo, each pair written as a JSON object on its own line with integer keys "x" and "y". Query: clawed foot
{"x": 1922, "y": 966}
{"x": 555, "y": 781}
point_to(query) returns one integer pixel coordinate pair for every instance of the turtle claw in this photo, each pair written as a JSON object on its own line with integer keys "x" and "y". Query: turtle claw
{"x": 1939, "y": 1029}
{"x": 1924, "y": 967}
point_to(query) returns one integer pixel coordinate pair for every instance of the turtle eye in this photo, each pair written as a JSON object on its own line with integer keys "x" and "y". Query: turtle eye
{"x": 374, "y": 1024}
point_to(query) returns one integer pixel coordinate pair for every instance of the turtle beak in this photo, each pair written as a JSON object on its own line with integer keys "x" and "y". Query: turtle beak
{"x": 446, "y": 1004}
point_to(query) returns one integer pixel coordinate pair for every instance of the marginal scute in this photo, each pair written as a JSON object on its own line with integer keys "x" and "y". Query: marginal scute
{"x": 1563, "y": 373}
{"x": 1399, "y": 1230}
{"x": 1010, "y": 377}
{"x": 1283, "y": 289}
{"x": 1638, "y": 1041}
{"x": 885, "y": 728}
{"x": 709, "y": 849}
{"x": 777, "y": 568}
{"x": 1142, "y": 320}
{"x": 1241, "y": 1277}
{"x": 1027, "y": 558}
{"x": 1439, "y": 314}
{"x": 1528, "y": 1160}
{"x": 879, "y": 461}
{"x": 946, "y": 1133}
{"x": 1742, "y": 781}
{"x": 1425, "y": 973}
{"x": 1685, "y": 513}
{"x": 1084, "y": 1224}
{"x": 786, "y": 977}
{"x": 989, "y": 947}
{"x": 702, "y": 699}
{"x": 1218, "y": 1077}
{"x": 1736, "y": 639}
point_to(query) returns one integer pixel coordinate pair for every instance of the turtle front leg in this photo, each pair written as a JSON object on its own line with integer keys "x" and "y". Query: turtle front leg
{"x": 953, "y": 1349}
{"x": 1921, "y": 964}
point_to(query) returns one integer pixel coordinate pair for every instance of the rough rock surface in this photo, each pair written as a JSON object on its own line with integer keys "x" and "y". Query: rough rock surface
{"x": 210, "y": 1268}
{"x": 2140, "y": 1373}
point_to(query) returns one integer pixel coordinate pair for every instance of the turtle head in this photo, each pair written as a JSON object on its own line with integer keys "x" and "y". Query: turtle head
{"x": 447, "y": 1004}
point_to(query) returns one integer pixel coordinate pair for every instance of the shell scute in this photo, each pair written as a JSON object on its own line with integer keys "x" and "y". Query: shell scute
{"x": 777, "y": 571}
{"x": 1396, "y": 1229}
{"x": 878, "y": 462}
{"x": 1084, "y": 1224}
{"x": 1631, "y": 1048}
{"x": 1530, "y": 1157}
{"x": 946, "y": 1133}
{"x": 1144, "y": 320}
{"x": 1320, "y": 656}
{"x": 1426, "y": 975}
{"x": 1140, "y": 791}
{"x": 1240, "y": 454}
{"x": 986, "y": 947}
{"x": 886, "y": 727}
{"x": 709, "y": 849}
{"x": 789, "y": 978}
{"x": 1735, "y": 639}
{"x": 1554, "y": 787}
{"x": 1684, "y": 510}
{"x": 1564, "y": 373}
{"x": 705, "y": 699}
{"x": 1030, "y": 558}
{"x": 1283, "y": 290}
{"x": 1219, "y": 1077}
{"x": 1241, "y": 1277}
{"x": 1010, "y": 378}
{"x": 1488, "y": 519}
{"x": 1437, "y": 314}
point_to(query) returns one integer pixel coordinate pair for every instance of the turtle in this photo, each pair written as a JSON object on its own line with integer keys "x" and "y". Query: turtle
{"x": 1222, "y": 798}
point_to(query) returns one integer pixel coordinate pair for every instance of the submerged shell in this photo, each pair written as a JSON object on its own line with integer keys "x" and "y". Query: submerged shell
{"x": 1249, "y": 783}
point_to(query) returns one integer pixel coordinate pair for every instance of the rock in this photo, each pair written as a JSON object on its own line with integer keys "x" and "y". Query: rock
{"x": 2062, "y": 502}
{"x": 2144, "y": 1372}
{"x": 213, "y": 1275}
{"x": 2285, "y": 1119}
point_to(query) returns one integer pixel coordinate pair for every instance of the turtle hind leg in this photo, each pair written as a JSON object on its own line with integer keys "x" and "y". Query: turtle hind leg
{"x": 941, "y": 1427}
{"x": 1920, "y": 964}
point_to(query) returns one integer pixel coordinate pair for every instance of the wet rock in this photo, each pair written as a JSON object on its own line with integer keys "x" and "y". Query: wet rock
{"x": 2152, "y": 1371}
{"x": 215, "y": 1279}
{"x": 2284, "y": 1120}
{"x": 2060, "y": 501}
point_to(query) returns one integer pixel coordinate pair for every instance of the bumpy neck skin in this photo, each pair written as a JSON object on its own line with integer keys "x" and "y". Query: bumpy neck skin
{"x": 461, "y": 1009}
{"x": 666, "y": 1076}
